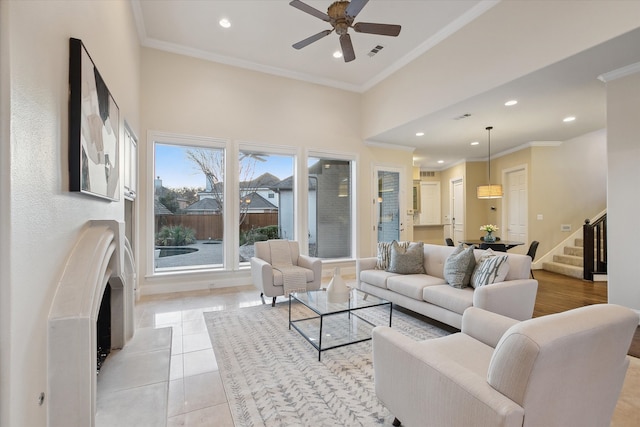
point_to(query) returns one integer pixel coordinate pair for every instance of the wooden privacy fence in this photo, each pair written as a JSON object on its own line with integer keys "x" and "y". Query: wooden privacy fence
{"x": 210, "y": 225}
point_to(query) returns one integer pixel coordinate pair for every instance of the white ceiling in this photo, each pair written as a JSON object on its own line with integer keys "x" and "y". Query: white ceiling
{"x": 262, "y": 32}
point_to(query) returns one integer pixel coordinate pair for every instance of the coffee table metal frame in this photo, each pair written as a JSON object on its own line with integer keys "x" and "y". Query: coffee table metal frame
{"x": 317, "y": 301}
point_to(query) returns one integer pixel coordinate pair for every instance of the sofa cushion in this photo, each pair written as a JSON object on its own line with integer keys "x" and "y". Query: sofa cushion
{"x": 445, "y": 296}
{"x": 411, "y": 285}
{"x": 491, "y": 268}
{"x": 459, "y": 266}
{"x": 376, "y": 277}
{"x": 407, "y": 261}
{"x": 384, "y": 253}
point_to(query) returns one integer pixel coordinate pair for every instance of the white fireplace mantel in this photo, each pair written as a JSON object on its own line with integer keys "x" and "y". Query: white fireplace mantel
{"x": 99, "y": 257}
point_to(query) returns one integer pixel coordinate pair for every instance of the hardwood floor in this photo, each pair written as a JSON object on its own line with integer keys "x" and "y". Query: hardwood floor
{"x": 557, "y": 293}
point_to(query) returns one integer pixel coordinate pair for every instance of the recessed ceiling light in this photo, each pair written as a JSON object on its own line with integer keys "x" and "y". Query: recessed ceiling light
{"x": 510, "y": 103}
{"x": 337, "y": 54}
{"x": 475, "y": 143}
{"x": 568, "y": 119}
{"x": 440, "y": 161}
{"x": 419, "y": 133}
{"x": 224, "y": 23}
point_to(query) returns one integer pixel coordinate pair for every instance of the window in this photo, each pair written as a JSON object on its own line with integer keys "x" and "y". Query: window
{"x": 264, "y": 216}
{"x": 188, "y": 206}
{"x": 330, "y": 207}
{"x": 214, "y": 199}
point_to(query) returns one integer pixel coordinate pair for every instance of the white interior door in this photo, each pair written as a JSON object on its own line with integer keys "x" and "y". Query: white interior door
{"x": 515, "y": 201}
{"x": 457, "y": 210}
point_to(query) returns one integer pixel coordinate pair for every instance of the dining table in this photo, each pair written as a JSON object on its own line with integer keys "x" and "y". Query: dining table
{"x": 507, "y": 243}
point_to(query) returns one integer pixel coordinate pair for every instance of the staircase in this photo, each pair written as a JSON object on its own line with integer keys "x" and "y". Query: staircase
{"x": 570, "y": 262}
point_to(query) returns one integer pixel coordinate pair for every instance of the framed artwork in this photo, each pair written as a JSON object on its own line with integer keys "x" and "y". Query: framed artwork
{"x": 94, "y": 120}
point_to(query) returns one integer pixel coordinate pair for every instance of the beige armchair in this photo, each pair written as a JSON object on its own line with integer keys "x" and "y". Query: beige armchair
{"x": 560, "y": 370}
{"x": 270, "y": 280}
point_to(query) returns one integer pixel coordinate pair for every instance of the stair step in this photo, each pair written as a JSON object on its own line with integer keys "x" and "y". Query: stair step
{"x": 567, "y": 270}
{"x": 579, "y": 242}
{"x": 569, "y": 259}
{"x": 574, "y": 250}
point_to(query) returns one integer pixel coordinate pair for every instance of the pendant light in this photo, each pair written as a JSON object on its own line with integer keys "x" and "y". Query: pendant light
{"x": 489, "y": 191}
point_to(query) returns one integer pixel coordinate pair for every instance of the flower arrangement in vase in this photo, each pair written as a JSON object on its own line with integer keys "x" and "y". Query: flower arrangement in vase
{"x": 489, "y": 229}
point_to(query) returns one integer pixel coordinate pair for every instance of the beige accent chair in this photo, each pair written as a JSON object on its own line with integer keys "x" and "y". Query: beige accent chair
{"x": 270, "y": 281}
{"x": 560, "y": 370}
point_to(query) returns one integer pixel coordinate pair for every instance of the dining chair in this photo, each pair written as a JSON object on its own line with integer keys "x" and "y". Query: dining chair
{"x": 449, "y": 241}
{"x": 532, "y": 253}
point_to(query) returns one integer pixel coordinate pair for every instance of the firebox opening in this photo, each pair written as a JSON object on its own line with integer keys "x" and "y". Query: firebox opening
{"x": 103, "y": 328}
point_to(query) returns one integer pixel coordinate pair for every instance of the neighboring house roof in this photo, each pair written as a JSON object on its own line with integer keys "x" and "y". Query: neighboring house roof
{"x": 209, "y": 204}
{"x": 160, "y": 209}
{"x": 287, "y": 184}
{"x": 266, "y": 180}
{"x": 256, "y": 201}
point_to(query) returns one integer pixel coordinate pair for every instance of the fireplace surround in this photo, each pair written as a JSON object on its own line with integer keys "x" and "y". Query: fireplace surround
{"x": 101, "y": 256}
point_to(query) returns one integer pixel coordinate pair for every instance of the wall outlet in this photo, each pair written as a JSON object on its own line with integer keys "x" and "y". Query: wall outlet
{"x": 565, "y": 227}
{"x": 539, "y": 217}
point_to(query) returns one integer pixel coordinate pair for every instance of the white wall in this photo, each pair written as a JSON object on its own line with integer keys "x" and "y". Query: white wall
{"x": 623, "y": 156}
{"x": 535, "y": 29}
{"x": 189, "y": 96}
{"x": 41, "y": 220}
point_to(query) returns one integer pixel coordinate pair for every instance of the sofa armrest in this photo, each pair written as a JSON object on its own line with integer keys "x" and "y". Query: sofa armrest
{"x": 364, "y": 264}
{"x": 314, "y": 264}
{"x": 513, "y": 298}
{"x": 422, "y": 387}
{"x": 485, "y": 326}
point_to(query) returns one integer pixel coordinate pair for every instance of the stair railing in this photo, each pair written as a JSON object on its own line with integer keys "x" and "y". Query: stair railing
{"x": 595, "y": 247}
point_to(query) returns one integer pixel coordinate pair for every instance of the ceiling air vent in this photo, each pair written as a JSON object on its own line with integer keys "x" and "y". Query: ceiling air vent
{"x": 375, "y": 50}
{"x": 464, "y": 116}
{"x": 424, "y": 174}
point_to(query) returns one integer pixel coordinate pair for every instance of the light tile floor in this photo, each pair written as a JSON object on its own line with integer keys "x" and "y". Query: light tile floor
{"x": 196, "y": 395}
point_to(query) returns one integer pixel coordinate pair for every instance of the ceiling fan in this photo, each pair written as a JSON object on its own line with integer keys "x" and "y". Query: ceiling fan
{"x": 341, "y": 15}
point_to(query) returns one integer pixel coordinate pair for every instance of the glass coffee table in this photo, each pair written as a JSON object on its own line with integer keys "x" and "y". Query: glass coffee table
{"x": 336, "y": 324}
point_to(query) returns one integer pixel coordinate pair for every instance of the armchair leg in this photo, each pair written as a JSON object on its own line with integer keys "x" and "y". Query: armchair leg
{"x": 396, "y": 422}
{"x": 273, "y": 302}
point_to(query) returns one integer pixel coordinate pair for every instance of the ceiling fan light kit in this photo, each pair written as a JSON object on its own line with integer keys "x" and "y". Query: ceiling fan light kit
{"x": 341, "y": 15}
{"x": 489, "y": 191}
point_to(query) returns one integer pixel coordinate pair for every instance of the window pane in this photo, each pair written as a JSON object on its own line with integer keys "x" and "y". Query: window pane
{"x": 188, "y": 207}
{"x": 388, "y": 206}
{"x": 266, "y": 199}
{"x": 329, "y": 208}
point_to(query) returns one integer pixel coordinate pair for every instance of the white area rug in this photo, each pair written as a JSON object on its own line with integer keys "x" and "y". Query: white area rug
{"x": 272, "y": 376}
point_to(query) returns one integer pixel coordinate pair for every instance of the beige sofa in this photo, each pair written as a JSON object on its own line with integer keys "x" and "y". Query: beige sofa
{"x": 430, "y": 295}
{"x": 560, "y": 370}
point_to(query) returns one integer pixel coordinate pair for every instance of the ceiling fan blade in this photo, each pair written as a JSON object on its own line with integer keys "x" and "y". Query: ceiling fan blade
{"x": 382, "y": 29}
{"x": 355, "y": 7}
{"x": 310, "y": 10}
{"x": 312, "y": 39}
{"x": 347, "y": 48}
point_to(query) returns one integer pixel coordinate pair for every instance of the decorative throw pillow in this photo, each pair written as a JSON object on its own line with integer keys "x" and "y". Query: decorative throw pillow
{"x": 459, "y": 266}
{"x": 407, "y": 261}
{"x": 491, "y": 268}
{"x": 384, "y": 253}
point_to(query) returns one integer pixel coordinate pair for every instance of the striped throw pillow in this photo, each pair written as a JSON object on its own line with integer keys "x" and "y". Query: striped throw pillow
{"x": 491, "y": 268}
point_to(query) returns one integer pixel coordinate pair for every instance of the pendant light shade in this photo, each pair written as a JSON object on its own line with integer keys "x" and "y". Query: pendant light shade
{"x": 489, "y": 191}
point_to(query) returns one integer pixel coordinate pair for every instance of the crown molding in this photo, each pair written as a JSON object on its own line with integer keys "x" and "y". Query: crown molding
{"x": 620, "y": 72}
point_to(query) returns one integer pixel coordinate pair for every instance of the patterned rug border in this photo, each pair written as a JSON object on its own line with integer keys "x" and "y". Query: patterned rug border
{"x": 272, "y": 376}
